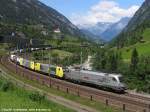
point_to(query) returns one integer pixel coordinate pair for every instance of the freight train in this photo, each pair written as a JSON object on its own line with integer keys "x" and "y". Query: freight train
{"x": 111, "y": 81}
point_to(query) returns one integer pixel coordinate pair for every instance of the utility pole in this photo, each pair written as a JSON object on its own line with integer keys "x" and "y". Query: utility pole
{"x": 49, "y": 58}
{"x": 49, "y": 63}
{"x": 81, "y": 58}
{"x": 42, "y": 55}
{"x": 17, "y": 55}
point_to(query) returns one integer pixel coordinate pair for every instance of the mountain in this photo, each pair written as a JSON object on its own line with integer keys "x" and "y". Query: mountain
{"x": 105, "y": 31}
{"x": 115, "y": 29}
{"x": 91, "y": 36}
{"x": 99, "y": 28}
{"x": 133, "y": 33}
{"x": 33, "y": 12}
{"x": 143, "y": 14}
{"x": 95, "y": 30}
{"x": 88, "y": 34}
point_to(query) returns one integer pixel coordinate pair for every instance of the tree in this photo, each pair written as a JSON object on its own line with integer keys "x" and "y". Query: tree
{"x": 144, "y": 67}
{"x": 55, "y": 58}
{"x": 100, "y": 60}
{"x": 37, "y": 55}
{"x": 134, "y": 60}
{"x": 112, "y": 61}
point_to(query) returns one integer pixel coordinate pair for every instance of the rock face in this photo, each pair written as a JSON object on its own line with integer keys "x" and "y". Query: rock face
{"x": 35, "y": 12}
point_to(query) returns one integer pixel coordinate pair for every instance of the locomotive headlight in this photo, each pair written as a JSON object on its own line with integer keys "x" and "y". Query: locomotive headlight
{"x": 123, "y": 86}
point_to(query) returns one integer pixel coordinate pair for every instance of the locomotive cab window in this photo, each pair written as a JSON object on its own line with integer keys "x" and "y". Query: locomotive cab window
{"x": 121, "y": 79}
{"x": 114, "y": 79}
{"x": 53, "y": 68}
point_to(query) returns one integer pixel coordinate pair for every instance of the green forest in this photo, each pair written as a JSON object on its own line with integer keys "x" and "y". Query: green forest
{"x": 136, "y": 70}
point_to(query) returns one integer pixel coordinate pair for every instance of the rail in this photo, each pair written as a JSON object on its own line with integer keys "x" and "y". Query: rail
{"x": 125, "y": 102}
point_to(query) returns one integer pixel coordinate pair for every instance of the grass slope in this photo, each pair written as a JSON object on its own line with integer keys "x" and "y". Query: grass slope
{"x": 62, "y": 54}
{"x": 3, "y": 48}
{"x": 142, "y": 48}
{"x": 19, "y": 99}
{"x": 84, "y": 101}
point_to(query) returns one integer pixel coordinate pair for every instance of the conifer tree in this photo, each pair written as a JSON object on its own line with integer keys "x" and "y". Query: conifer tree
{"x": 134, "y": 60}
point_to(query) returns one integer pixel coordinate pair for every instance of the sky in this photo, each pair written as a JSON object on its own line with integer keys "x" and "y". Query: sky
{"x": 89, "y": 12}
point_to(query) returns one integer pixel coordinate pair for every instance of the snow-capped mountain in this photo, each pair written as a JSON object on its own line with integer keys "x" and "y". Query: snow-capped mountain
{"x": 115, "y": 29}
{"x": 99, "y": 28}
{"x": 105, "y": 30}
{"x": 95, "y": 31}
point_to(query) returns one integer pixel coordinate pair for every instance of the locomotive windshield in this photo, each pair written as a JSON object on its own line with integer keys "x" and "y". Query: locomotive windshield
{"x": 121, "y": 79}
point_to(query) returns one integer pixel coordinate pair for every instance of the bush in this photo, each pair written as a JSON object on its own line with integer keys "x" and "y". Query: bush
{"x": 36, "y": 96}
{"x": 1, "y": 82}
{"x": 5, "y": 86}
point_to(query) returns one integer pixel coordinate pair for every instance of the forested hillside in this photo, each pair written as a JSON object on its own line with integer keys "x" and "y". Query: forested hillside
{"x": 129, "y": 53}
{"x": 133, "y": 33}
{"x": 32, "y": 16}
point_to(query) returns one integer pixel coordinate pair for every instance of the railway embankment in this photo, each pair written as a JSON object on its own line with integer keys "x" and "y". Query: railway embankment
{"x": 123, "y": 102}
{"x": 62, "y": 98}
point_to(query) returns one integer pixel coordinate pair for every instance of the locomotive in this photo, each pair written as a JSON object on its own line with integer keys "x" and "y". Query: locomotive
{"x": 106, "y": 80}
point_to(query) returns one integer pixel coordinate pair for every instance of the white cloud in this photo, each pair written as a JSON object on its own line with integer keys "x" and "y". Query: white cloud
{"x": 104, "y": 11}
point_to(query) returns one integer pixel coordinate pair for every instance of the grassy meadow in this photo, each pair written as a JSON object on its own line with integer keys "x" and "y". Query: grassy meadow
{"x": 12, "y": 97}
{"x": 143, "y": 48}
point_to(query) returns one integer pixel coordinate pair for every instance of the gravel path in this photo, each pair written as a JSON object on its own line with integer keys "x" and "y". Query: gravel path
{"x": 87, "y": 64}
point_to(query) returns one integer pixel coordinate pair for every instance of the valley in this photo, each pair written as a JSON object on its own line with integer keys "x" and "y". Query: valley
{"x": 75, "y": 49}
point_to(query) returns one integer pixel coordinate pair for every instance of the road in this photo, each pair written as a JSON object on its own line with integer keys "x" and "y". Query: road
{"x": 87, "y": 64}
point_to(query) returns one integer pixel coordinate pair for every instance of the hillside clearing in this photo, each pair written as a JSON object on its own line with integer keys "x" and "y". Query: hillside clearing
{"x": 143, "y": 48}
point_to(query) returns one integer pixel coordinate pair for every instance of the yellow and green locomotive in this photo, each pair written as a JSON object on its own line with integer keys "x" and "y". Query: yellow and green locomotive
{"x": 55, "y": 71}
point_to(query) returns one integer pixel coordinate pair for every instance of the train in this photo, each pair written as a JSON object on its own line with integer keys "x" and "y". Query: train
{"x": 100, "y": 79}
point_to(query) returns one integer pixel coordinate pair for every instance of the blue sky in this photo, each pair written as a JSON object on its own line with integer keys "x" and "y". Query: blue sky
{"x": 73, "y": 8}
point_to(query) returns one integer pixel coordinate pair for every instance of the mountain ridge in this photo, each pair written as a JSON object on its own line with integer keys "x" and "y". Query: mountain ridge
{"x": 35, "y": 12}
{"x": 105, "y": 30}
{"x": 96, "y": 29}
{"x": 138, "y": 16}
{"x": 132, "y": 33}
{"x": 115, "y": 29}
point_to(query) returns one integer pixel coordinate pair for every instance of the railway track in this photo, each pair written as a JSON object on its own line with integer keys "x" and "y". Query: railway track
{"x": 127, "y": 102}
{"x": 57, "y": 99}
{"x": 142, "y": 97}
